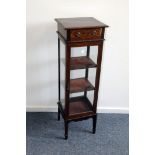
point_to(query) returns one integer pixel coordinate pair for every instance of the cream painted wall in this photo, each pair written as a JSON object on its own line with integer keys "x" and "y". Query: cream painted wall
{"x": 42, "y": 51}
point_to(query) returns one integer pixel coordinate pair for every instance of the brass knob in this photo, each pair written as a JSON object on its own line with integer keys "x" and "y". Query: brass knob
{"x": 78, "y": 34}
{"x": 94, "y": 33}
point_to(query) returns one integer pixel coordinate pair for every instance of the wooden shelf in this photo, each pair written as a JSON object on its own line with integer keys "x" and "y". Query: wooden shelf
{"x": 81, "y": 63}
{"x": 80, "y": 85}
{"x": 80, "y": 106}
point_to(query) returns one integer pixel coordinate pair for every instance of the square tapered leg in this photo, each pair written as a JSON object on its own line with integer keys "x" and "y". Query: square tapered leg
{"x": 94, "y": 123}
{"x": 66, "y": 129}
{"x": 58, "y": 114}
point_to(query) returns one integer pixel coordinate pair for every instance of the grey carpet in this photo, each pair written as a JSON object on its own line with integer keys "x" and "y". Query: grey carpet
{"x": 45, "y": 135}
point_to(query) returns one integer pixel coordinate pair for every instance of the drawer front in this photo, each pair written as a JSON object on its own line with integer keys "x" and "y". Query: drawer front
{"x": 85, "y": 34}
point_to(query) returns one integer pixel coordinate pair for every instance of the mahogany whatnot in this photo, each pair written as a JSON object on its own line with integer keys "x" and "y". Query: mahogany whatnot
{"x": 79, "y": 32}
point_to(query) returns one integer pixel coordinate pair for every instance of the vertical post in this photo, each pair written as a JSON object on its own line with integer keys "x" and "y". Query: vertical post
{"x": 98, "y": 70}
{"x": 59, "y": 69}
{"x": 67, "y": 79}
{"x": 58, "y": 77}
{"x": 86, "y": 73}
{"x": 67, "y": 87}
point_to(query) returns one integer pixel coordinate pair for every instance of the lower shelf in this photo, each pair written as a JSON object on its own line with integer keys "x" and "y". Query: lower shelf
{"x": 80, "y": 107}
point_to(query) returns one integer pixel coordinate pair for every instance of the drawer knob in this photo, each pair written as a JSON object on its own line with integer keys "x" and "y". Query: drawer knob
{"x": 94, "y": 33}
{"x": 78, "y": 34}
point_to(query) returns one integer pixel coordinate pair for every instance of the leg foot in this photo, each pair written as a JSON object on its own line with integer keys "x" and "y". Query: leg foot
{"x": 94, "y": 124}
{"x": 66, "y": 137}
{"x": 58, "y": 114}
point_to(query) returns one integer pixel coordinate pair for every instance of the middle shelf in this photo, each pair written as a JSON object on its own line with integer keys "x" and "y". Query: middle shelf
{"x": 81, "y": 62}
{"x": 80, "y": 85}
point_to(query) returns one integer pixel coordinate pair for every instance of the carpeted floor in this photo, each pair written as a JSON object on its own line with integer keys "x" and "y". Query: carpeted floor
{"x": 45, "y": 135}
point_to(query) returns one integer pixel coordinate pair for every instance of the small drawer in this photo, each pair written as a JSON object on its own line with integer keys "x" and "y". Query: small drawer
{"x": 85, "y": 34}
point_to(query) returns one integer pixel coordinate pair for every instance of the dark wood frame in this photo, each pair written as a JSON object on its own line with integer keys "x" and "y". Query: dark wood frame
{"x": 64, "y": 34}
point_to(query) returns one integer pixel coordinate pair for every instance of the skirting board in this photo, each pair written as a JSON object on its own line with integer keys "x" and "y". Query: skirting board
{"x": 55, "y": 109}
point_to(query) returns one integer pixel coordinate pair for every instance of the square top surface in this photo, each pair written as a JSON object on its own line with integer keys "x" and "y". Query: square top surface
{"x": 80, "y": 22}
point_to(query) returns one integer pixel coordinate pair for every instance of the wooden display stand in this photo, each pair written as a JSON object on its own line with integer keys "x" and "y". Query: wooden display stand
{"x": 79, "y": 32}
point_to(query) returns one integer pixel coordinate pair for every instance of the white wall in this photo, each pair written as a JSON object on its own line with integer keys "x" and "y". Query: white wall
{"x": 42, "y": 51}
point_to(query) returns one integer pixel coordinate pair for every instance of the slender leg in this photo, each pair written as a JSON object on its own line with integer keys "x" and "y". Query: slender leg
{"x": 66, "y": 129}
{"x": 94, "y": 123}
{"x": 58, "y": 77}
{"x": 67, "y": 86}
{"x": 59, "y": 70}
{"x": 58, "y": 114}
